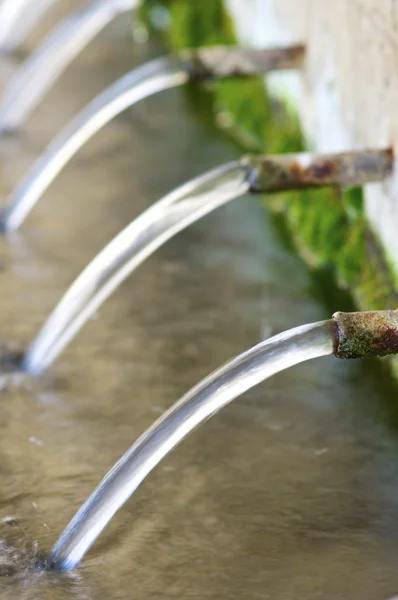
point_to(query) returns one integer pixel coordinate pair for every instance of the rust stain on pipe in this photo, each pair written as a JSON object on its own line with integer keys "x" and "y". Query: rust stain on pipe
{"x": 220, "y": 62}
{"x": 268, "y": 174}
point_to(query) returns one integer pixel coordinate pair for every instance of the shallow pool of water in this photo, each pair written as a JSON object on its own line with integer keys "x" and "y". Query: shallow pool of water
{"x": 290, "y": 492}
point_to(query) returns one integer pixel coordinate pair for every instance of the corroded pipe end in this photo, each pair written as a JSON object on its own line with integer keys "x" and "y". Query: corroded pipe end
{"x": 269, "y": 174}
{"x": 361, "y": 334}
{"x": 220, "y": 62}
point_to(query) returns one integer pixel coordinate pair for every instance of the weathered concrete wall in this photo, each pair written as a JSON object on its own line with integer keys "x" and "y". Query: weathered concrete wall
{"x": 347, "y": 94}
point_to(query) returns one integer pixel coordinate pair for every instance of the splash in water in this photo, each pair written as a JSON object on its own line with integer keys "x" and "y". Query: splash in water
{"x": 18, "y": 556}
{"x": 199, "y": 404}
{"x": 127, "y": 251}
{"x": 39, "y": 73}
{"x": 153, "y": 77}
{"x": 17, "y": 19}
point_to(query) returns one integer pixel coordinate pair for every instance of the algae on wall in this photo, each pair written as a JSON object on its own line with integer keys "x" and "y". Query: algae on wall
{"x": 328, "y": 226}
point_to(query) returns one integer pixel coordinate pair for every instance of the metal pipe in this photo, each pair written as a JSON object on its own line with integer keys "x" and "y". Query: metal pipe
{"x": 269, "y": 174}
{"x": 361, "y": 334}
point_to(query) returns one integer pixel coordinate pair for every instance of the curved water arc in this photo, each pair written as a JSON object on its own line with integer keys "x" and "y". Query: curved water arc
{"x": 41, "y": 70}
{"x": 17, "y": 19}
{"x": 199, "y": 404}
{"x": 127, "y": 251}
{"x": 153, "y": 77}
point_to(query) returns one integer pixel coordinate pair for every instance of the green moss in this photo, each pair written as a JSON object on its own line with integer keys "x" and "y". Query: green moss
{"x": 192, "y": 23}
{"x": 327, "y": 226}
{"x": 202, "y": 23}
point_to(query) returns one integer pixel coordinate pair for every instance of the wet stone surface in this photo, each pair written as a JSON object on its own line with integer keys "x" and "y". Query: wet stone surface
{"x": 290, "y": 492}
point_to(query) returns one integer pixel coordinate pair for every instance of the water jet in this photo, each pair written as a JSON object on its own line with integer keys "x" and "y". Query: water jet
{"x": 178, "y": 210}
{"x": 346, "y": 335}
{"x": 153, "y": 77}
{"x": 17, "y": 19}
{"x": 42, "y": 69}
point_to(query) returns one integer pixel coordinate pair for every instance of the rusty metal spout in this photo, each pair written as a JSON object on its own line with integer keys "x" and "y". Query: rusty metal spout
{"x": 220, "y": 62}
{"x": 361, "y": 334}
{"x": 269, "y": 174}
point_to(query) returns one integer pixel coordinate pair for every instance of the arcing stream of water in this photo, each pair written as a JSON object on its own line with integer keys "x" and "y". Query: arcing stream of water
{"x": 46, "y": 65}
{"x": 151, "y": 78}
{"x": 199, "y": 404}
{"x": 128, "y": 250}
{"x": 17, "y": 19}
{"x": 144, "y": 81}
{"x": 348, "y": 335}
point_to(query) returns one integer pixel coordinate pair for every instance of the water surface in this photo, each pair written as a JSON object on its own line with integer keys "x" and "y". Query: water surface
{"x": 290, "y": 492}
